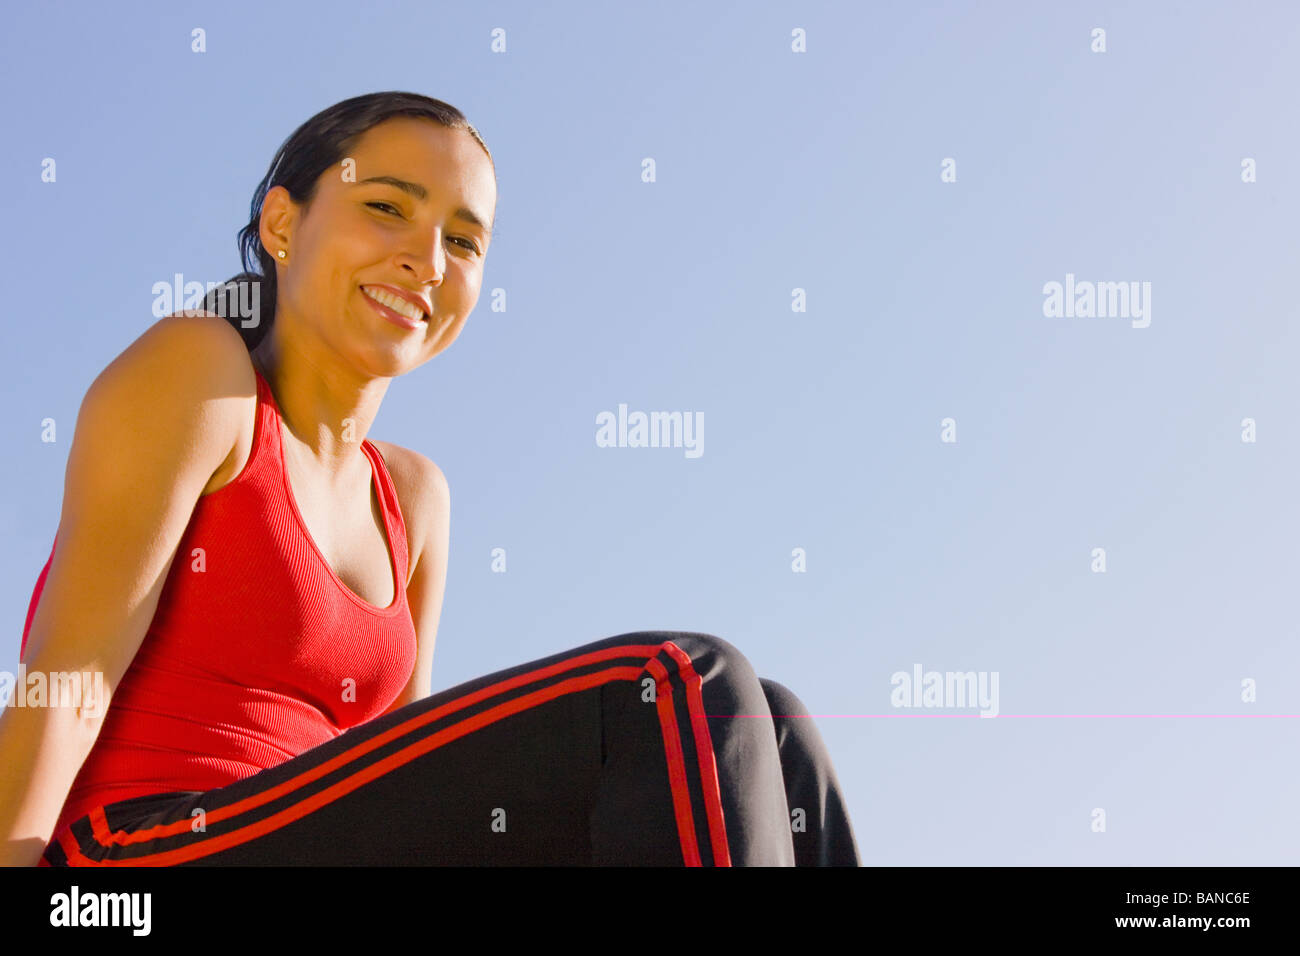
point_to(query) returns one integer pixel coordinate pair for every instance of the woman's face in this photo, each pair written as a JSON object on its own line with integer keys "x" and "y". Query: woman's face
{"x": 421, "y": 239}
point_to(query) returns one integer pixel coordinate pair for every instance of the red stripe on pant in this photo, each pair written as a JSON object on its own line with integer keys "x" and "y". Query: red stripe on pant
{"x": 704, "y": 748}
{"x": 668, "y": 725}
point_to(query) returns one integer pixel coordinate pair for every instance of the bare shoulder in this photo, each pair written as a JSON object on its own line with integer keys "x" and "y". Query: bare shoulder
{"x": 422, "y": 492}
{"x": 197, "y": 353}
{"x": 206, "y": 333}
{"x": 198, "y": 361}
{"x": 418, "y": 480}
{"x": 199, "y": 356}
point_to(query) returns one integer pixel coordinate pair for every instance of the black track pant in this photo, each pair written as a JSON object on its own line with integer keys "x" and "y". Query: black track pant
{"x": 655, "y": 748}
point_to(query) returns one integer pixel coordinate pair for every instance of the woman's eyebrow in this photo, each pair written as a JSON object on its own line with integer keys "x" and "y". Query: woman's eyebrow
{"x": 415, "y": 189}
{"x": 421, "y": 193}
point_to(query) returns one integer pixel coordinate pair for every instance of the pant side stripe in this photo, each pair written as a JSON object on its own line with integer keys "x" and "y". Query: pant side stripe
{"x": 704, "y": 749}
{"x": 215, "y": 843}
{"x": 125, "y": 837}
{"x": 676, "y": 764}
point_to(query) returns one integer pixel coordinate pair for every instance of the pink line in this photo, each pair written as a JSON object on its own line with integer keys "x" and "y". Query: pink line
{"x": 1033, "y": 716}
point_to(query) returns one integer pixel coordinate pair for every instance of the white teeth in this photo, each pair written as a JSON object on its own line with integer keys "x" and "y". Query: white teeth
{"x": 395, "y": 303}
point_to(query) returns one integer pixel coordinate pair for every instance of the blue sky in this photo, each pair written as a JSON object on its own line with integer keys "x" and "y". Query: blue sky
{"x": 777, "y": 171}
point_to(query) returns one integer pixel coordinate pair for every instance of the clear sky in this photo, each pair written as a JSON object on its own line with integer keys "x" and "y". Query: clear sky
{"x": 921, "y": 172}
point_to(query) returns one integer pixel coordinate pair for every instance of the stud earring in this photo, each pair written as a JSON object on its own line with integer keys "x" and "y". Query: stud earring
{"x": 281, "y": 253}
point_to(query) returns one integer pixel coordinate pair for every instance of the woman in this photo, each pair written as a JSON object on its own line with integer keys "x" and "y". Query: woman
{"x": 260, "y": 586}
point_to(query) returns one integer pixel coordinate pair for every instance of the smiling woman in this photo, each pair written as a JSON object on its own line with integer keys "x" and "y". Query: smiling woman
{"x": 266, "y": 625}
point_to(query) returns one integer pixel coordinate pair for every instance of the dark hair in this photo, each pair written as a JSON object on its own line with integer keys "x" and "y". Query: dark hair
{"x": 314, "y": 147}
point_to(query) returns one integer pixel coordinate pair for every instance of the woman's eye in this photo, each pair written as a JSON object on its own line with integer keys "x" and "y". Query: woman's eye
{"x": 464, "y": 242}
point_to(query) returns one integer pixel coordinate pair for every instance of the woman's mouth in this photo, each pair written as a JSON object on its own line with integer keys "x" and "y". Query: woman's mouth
{"x": 394, "y": 309}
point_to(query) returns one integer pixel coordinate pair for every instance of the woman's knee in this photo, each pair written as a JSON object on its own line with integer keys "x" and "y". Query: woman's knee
{"x": 794, "y": 724}
{"x": 782, "y": 700}
{"x": 717, "y": 662}
{"x": 701, "y": 644}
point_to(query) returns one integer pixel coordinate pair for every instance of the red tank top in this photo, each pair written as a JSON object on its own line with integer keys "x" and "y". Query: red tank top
{"x": 257, "y": 651}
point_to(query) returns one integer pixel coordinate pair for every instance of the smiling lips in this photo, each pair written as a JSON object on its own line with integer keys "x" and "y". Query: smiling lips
{"x": 395, "y": 307}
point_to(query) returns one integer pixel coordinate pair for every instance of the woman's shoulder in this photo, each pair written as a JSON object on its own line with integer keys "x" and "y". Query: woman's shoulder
{"x": 422, "y": 492}
{"x": 166, "y": 410}
{"x": 186, "y": 358}
{"x": 196, "y": 346}
{"x": 208, "y": 354}
{"x": 203, "y": 327}
{"x": 417, "y": 479}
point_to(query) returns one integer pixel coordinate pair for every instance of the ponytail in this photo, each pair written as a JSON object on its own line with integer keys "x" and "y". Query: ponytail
{"x": 247, "y": 302}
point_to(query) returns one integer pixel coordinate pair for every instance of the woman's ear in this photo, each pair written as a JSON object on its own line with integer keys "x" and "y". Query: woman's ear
{"x": 275, "y": 227}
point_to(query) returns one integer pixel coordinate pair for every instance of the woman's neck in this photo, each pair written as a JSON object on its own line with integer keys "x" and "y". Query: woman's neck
{"x": 328, "y": 412}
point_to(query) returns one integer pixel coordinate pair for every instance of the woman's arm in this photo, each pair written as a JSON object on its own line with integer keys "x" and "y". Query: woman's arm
{"x": 425, "y": 501}
{"x": 152, "y": 430}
